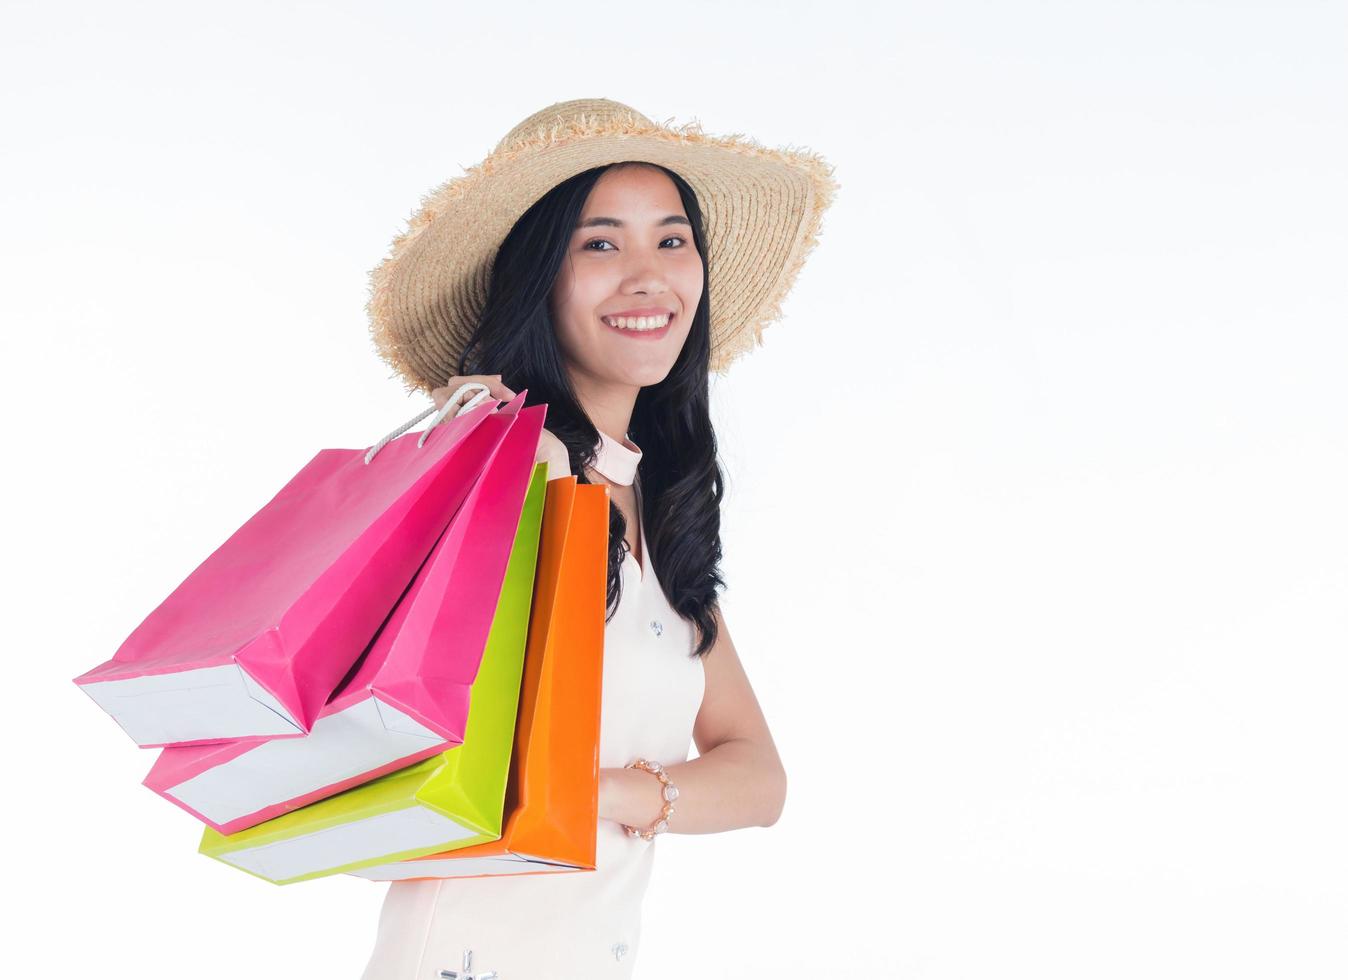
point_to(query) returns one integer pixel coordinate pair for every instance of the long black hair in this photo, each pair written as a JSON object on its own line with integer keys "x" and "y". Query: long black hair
{"x": 681, "y": 480}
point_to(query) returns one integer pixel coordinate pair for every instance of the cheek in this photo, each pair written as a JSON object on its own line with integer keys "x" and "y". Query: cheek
{"x": 690, "y": 284}
{"x": 586, "y": 291}
{"x": 564, "y": 299}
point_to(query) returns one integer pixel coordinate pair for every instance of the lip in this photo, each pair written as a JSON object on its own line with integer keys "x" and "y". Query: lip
{"x": 643, "y": 311}
{"x": 642, "y": 334}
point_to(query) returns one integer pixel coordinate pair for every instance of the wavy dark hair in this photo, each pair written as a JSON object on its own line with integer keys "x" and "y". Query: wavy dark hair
{"x": 681, "y": 480}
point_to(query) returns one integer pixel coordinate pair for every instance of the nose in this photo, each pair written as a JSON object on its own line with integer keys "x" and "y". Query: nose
{"x": 643, "y": 275}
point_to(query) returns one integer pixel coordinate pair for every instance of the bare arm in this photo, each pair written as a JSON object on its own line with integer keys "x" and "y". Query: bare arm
{"x": 552, "y": 451}
{"x": 736, "y": 781}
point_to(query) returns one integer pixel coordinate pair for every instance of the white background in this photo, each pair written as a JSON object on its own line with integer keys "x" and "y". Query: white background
{"x": 1036, "y": 537}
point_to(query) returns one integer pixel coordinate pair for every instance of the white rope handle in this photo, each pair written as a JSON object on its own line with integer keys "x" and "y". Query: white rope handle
{"x": 440, "y": 414}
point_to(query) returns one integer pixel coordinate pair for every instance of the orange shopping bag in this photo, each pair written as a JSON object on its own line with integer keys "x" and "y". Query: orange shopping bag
{"x": 552, "y": 797}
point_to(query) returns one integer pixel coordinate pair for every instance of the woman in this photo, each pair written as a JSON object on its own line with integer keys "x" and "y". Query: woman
{"x": 599, "y": 303}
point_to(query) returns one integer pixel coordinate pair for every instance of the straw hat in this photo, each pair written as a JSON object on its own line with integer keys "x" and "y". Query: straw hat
{"x": 762, "y": 210}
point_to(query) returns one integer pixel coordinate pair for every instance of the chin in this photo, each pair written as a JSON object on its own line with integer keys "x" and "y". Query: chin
{"x": 642, "y": 376}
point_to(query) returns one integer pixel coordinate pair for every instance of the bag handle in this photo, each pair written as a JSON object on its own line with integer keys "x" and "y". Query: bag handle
{"x": 440, "y": 414}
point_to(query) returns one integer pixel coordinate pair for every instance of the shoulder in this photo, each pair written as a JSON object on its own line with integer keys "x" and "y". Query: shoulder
{"x": 552, "y": 451}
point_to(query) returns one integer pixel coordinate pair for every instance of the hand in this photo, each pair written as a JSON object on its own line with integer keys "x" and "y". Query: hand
{"x": 630, "y": 796}
{"x": 551, "y": 450}
{"x": 495, "y": 388}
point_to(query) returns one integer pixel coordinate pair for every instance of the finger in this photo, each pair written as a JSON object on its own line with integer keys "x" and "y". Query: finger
{"x": 442, "y": 394}
{"x": 496, "y": 387}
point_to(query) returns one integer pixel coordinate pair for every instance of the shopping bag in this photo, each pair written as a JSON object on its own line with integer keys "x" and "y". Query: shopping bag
{"x": 457, "y": 794}
{"x": 408, "y": 699}
{"x": 258, "y": 636}
{"x": 552, "y": 802}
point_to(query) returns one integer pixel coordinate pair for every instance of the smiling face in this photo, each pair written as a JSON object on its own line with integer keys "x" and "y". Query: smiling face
{"x": 627, "y": 291}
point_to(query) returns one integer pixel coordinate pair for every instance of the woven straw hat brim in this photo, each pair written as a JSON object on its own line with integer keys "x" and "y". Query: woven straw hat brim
{"x": 762, "y": 211}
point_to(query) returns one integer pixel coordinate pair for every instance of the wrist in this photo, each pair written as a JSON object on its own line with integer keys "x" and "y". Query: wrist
{"x": 653, "y": 774}
{"x": 628, "y": 796}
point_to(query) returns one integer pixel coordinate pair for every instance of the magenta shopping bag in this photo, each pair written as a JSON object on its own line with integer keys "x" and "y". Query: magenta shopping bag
{"x": 255, "y": 640}
{"x": 409, "y": 697}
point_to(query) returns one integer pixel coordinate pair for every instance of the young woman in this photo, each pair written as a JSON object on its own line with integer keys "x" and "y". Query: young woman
{"x": 600, "y": 301}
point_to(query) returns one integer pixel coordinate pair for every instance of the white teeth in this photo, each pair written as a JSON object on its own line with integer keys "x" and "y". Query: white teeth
{"x": 637, "y": 323}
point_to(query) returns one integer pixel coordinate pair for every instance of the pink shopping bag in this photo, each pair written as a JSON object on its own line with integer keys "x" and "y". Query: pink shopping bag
{"x": 255, "y": 640}
{"x": 409, "y": 697}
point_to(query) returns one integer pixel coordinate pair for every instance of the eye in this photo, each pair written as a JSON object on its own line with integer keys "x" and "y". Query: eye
{"x": 604, "y": 241}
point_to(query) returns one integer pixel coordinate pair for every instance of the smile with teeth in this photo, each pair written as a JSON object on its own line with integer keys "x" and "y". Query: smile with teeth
{"x": 637, "y": 322}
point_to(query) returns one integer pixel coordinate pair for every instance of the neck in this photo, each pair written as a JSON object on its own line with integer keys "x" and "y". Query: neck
{"x": 607, "y": 405}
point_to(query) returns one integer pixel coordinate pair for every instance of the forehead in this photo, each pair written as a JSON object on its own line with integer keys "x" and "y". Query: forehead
{"x": 633, "y": 193}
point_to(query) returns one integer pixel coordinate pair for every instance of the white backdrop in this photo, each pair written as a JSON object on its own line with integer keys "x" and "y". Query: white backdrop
{"x": 1036, "y": 537}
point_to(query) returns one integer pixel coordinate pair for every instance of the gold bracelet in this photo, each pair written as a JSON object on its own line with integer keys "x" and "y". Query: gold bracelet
{"x": 670, "y": 793}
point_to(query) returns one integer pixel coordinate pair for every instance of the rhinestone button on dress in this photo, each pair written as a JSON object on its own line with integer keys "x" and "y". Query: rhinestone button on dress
{"x": 467, "y": 973}
{"x": 657, "y": 627}
{"x": 619, "y": 950}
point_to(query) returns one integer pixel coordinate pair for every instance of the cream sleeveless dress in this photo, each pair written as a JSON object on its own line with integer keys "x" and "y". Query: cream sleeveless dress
{"x": 582, "y": 925}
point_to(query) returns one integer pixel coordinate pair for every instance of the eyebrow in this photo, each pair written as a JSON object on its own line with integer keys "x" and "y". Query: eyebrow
{"x": 673, "y": 219}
